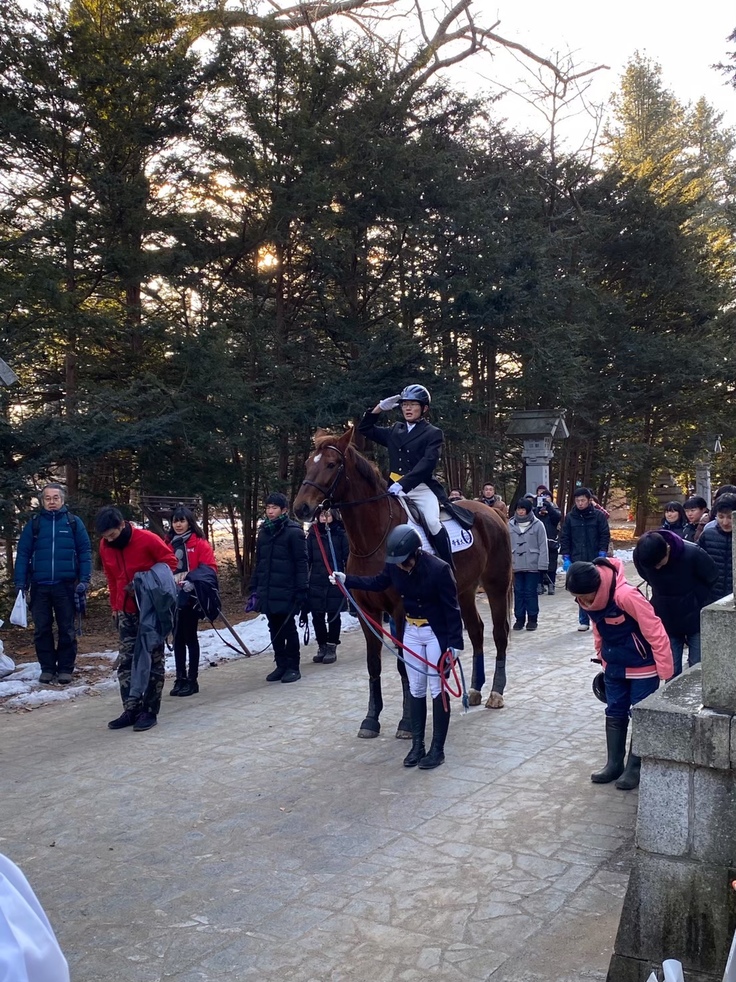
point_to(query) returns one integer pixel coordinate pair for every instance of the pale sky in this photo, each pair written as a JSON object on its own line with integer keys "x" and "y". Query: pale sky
{"x": 685, "y": 40}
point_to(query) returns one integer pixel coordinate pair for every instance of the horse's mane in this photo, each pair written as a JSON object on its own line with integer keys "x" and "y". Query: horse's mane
{"x": 366, "y": 468}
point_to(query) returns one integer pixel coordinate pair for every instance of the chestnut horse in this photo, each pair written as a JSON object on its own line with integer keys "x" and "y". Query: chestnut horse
{"x": 338, "y": 474}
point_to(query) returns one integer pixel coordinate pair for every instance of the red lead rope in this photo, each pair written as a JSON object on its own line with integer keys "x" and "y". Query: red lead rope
{"x": 445, "y": 667}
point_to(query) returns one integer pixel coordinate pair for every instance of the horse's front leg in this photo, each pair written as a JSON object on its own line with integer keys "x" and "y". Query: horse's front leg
{"x": 371, "y": 726}
{"x": 499, "y": 612}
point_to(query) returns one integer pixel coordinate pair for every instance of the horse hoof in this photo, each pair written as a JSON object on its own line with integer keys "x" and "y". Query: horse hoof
{"x": 495, "y": 701}
{"x": 369, "y": 728}
{"x": 474, "y": 697}
{"x": 403, "y": 732}
{"x": 367, "y": 734}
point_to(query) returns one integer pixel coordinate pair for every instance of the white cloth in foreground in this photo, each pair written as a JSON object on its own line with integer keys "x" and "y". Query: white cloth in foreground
{"x": 29, "y": 951}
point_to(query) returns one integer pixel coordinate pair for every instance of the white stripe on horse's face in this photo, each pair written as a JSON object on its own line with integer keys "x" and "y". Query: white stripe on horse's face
{"x": 317, "y": 458}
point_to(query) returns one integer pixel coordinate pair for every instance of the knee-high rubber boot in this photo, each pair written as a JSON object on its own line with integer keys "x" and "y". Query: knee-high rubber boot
{"x": 630, "y": 778}
{"x": 418, "y": 719}
{"x": 440, "y": 723}
{"x": 441, "y": 543}
{"x": 616, "y": 744}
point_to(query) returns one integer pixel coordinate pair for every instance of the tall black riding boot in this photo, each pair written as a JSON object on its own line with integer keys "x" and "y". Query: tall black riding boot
{"x": 418, "y": 718}
{"x": 630, "y": 777}
{"x": 440, "y": 724}
{"x": 442, "y": 547}
{"x": 616, "y": 744}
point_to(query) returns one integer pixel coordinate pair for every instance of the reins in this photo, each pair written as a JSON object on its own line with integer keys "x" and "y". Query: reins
{"x": 444, "y": 667}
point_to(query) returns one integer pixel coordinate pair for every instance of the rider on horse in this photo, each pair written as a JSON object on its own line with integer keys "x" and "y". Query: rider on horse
{"x": 433, "y": 626}
{"x": 414, "y": 450}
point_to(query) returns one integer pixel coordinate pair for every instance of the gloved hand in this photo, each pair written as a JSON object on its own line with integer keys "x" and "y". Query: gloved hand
{"x": 252, "y": 604}
{"x": 179, "y": 577}
{"x": 337, "y": 577}
{"x": 81, "y": 588}
{"x": 187, "y": 586}
{"x": 396, "y": 488}
{"x": 602, "y": 555}
{"x": 566, "y": 563}
{"x": 391, "y": 403}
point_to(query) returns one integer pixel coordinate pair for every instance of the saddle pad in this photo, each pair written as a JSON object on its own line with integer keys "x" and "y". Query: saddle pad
{"x": 460, "y": 538}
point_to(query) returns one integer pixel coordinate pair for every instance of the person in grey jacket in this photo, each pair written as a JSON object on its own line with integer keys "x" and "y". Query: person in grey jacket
{"x": 530, "y": 557}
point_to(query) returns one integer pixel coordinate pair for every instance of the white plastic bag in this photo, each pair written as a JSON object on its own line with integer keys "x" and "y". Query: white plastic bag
{"x": 7, "y": 665}
{"x": 672, "y": 971}
{"x": 19, "y": 614}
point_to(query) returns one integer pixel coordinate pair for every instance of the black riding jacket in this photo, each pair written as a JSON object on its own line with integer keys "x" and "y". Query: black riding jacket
{"x": 412, "y": 454}
{"x": 428, "y": 592}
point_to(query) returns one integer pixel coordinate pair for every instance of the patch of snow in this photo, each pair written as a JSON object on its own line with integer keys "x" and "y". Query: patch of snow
{"x": 22, "y": 690}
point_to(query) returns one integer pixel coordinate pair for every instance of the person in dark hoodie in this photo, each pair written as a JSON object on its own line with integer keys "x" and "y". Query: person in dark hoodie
{"x": 428, "y": 589}
{"x": 549, "y": 515}
{"x": 279, "y": 584}
{"x": 716, "y": 541}
{"x": 326, "y": 601}
{"x": 633, "y": 648}
{"x": 585, "y": 536}
{"x": 683, "y": 579}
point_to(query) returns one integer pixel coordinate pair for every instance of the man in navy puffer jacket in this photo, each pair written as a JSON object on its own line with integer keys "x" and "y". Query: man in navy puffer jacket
{"x": 54, "y": 558}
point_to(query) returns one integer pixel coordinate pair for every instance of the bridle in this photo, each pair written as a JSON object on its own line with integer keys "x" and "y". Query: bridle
{"x": 329, "y": 492}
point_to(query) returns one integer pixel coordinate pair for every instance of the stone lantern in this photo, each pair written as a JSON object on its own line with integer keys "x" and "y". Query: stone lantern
{"x": 537, "y": 428}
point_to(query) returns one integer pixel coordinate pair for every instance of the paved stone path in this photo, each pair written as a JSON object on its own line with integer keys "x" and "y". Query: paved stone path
{"x": 252, "y": 836}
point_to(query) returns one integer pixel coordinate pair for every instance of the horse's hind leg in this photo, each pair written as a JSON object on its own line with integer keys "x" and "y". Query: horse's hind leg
{"x": 403, "y": 730}
{"x": 499, "y": 613}
{"x": 474, "y": 627}
{"x": 371, "y": 727}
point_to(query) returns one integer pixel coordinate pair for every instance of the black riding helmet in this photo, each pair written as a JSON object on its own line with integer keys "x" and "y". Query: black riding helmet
{"x": 416, "y": 393}
{"x": 402, "y": 542}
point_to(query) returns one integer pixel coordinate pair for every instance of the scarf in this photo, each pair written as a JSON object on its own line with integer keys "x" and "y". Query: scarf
{"x": 274, "y": 525}
{"x": 179, "y": 547}
{"x": 123, "y": 539}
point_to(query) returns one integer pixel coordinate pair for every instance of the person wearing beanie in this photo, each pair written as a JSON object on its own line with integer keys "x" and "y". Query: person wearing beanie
{"x": 278, "y": 586}
{"x": 585, "y": 536}
{"x": 633, "y": 648}
{"x": 529, "y": 557}
{"x": 683, "y": 578}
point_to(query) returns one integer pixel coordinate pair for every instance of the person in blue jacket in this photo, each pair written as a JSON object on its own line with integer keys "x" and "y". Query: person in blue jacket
{"x": 433, "y": 626}
{"x": 54, "y": 558}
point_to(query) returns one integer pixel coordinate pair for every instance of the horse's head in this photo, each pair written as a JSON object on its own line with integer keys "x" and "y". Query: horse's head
{"x": 324, "y": 476}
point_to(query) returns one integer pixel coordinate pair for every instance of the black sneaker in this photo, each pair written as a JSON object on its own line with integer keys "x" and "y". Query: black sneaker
{"x": 518, "y": 626}
{"x": 126, "y": 718}
{"x": 46, "y": 678}
{"x": 145, "y": 721}
{"x": 276, "y": 675}
{"x": 177, "y": 687}
{"x": 291, "y": 675}
{"x": 189, "y": 688}
{"x": 531, "y": 625}
{"x": 64, "y": 678}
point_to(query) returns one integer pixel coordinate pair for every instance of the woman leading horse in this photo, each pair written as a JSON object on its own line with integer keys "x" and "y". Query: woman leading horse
{"x": 338, "y": 474}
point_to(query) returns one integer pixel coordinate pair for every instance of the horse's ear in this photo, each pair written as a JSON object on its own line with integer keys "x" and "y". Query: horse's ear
{"x": 345, "y": 440}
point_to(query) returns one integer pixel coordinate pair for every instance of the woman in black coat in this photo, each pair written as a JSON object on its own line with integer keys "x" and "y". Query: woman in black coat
{"x": 325, "y": 601}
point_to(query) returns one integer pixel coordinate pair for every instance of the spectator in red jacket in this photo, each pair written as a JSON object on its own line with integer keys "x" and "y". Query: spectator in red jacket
{"x": 125, "y": 551}
{"x": 191, "y": 549}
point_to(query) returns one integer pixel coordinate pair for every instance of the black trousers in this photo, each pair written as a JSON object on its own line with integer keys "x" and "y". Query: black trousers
{"x": 326, "y": 627}
{"x": 49, "y": 601}
{"x": 186, "y": 636}
{"x": 285, "y": 639}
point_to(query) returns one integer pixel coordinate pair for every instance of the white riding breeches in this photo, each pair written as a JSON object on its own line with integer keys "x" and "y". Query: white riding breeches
{"x": 427, "y": 503}
{"x": 422, "y": 640}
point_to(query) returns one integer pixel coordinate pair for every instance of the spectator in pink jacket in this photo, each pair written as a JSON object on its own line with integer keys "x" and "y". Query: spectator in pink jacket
{"x": 633, "y": 648}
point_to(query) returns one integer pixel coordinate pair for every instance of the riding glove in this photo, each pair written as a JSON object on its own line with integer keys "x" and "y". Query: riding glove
{"x": 337, "y": 577}
{"x": 391, "y": 403}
